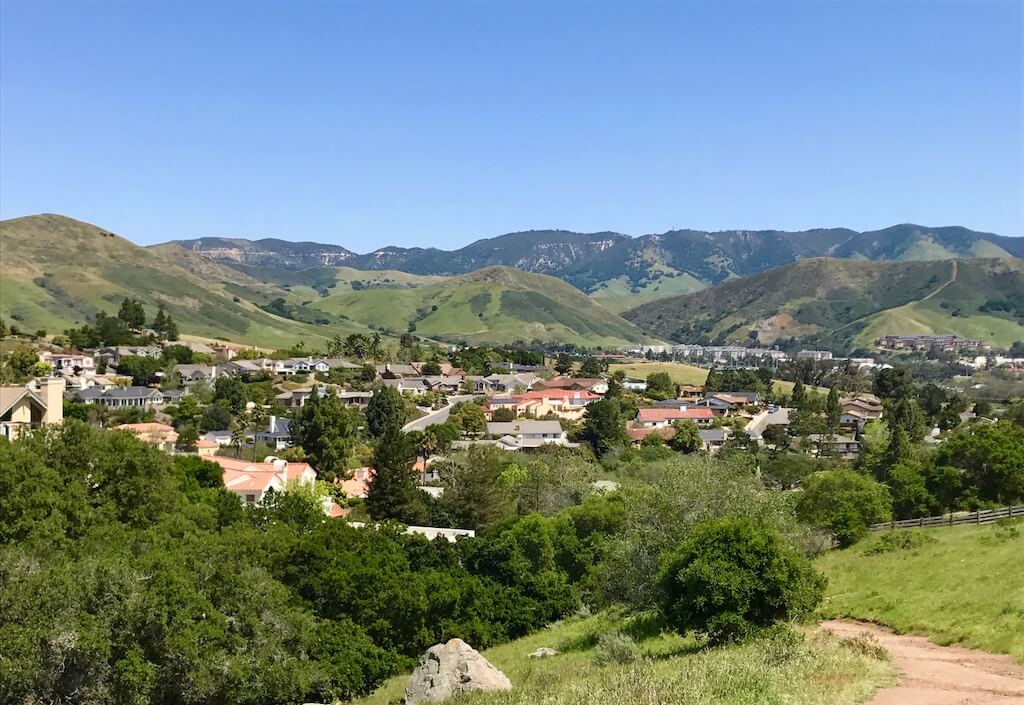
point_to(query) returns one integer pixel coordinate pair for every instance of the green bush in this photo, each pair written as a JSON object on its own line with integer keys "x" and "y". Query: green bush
{"x": 899, "y": 541}
{"x": 616, "y": 647}
{"x": 844, "y": 503}
{"x": 732, "y": 578}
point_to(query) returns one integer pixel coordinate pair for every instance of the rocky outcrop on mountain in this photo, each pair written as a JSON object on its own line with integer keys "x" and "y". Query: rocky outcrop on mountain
{"x": 449, "y": 669}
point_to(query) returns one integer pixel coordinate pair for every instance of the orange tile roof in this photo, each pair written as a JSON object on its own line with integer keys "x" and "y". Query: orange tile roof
{"x": 295, "y": 470}
{"x": 673, "y": 414}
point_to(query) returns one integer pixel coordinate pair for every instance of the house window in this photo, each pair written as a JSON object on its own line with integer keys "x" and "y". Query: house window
{"x": 250, "y": 499}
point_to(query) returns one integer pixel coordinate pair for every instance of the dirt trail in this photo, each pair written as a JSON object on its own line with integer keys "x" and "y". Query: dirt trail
{"x": 941, "y": 675}
{"x": 952, "y": 279}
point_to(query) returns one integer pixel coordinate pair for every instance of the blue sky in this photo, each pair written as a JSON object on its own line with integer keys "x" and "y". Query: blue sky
{"x": 437, "y": 123}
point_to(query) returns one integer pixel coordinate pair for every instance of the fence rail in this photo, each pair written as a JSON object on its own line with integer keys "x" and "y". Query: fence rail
{"x": 986, "y": 516}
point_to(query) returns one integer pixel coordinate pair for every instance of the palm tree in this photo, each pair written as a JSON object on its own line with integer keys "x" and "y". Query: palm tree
{"x": 237, "y": 437}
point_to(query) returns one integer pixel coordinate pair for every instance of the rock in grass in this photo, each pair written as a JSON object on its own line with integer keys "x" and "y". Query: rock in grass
{"x": 543, "y": 652}
{"x": 449, "y": 669}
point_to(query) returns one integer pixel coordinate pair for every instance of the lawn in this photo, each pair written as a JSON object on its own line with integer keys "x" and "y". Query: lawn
{"x": 688, "y": 374}
{"x": 822, "y": 669}
{"x": 965, "y": 585}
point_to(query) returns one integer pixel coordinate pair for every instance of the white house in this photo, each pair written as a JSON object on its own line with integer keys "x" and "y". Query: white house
{"x": 528, "y": 433}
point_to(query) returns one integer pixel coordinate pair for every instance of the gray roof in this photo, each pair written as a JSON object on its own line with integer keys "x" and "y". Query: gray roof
{"x": 713, "y": 435}
{"x": 132, "y": 393}
{"x": 277, "y": 426}
{"x": 525, "y": 426}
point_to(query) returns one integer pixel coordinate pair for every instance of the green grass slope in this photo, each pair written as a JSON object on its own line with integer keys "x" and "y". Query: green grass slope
{"x": 965, "y": 585}
{"x": 58, "y": 272}
{"x": 673, "y": 671}
{"x": 492, "y": 305}
{"x": 846, "y": 303}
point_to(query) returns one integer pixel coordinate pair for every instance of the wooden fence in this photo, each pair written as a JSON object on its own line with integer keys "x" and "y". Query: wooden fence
{"x": 986, "y": 516}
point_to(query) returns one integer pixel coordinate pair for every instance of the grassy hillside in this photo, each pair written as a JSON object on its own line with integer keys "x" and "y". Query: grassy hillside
{"x": 491, "y": 305}
{"x": 688, "y": 374}
{"x": 822, "y": 670}
{"x": 58, "y": 272}
{"x": 847, "y": 303}
{"x": 964, "y": 585}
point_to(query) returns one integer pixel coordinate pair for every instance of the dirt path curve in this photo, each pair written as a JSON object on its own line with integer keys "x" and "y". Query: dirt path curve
{"x": 941, "y": 675}
{"x": 952, "y": 279}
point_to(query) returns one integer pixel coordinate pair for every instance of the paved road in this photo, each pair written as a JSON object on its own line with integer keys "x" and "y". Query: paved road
{"x": 436, "y": 417}
{"x": 941, "y": 675}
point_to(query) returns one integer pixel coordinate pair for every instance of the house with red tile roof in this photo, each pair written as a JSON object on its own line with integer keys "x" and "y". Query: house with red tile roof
{"x": 251, "y": 481}
{"x": 158, "y": 434}
{"x": 564, "y": 403}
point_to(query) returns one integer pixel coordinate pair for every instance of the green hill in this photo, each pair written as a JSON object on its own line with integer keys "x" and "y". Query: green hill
{"x": 58, "y": 272}
{"x": 842, "y": 304}
{"x": 960, "y": 585}
{"x": 491, "y": 305}
{"x": 671, "y": 669}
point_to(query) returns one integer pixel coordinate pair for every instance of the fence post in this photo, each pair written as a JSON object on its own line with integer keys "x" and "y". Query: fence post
{"x": 977, "y": 517}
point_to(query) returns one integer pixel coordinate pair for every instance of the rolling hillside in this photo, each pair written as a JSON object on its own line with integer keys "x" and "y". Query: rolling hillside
{"x": 58, "y": 272}
{"x": 622, "y": 271}
{"x": 491, "y": 305}
{"x": 842, "y": 304}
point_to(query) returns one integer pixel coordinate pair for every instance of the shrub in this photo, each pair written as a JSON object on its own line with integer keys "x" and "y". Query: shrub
{"x": 843, "y": 502}
{"x": 732, "y": 578}
{"x": 899, "y": 541}
{"x": 616, "y": 647}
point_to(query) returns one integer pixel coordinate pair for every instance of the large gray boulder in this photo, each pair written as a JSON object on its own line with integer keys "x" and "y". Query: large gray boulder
{"x": 448, "y": 669}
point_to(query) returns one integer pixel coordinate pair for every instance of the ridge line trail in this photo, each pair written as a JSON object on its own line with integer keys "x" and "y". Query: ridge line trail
{"x": 930, "y": 674}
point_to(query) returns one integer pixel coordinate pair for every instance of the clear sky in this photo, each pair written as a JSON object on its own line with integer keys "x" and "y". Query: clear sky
{"x": 437, "y": 123}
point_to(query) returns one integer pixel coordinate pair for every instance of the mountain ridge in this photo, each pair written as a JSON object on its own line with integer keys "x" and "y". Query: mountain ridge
{"x": 841, "y": 304}
{"x": 621, "y": 270}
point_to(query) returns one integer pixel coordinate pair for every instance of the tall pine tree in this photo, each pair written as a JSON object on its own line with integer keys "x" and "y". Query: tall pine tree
{"x": 393, "y": 493}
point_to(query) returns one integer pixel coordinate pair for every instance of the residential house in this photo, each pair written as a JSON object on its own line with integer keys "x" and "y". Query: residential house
{"x": 446, "y": 384}
{"x": 276, "y": 434}
{"x": 833, "y": 445}
{"x": 567, "y": 404}
{"x": 504, "y": 383}
{"x": 23, "y": 407}
{"x": 241, "y": 368}
{"x": 192, "y": 374}
{"x": 355, "y": 399}
{"x": 156, "y": 434}
{"x": 638, "y": 435}
{"x": 221, "y": 438}
{"x": 205, "y": 448}
{"x": 305, "y": 365}
{"x": 726, "y": 404}
{"x": 122, "y": 397}
{"x": 653, "y": 417}
{"x": 634, "y": 384}
{"x": 296, "y": 398}
{"x": 341, "y": 364}
{"x": 69, "y": 363}
{"x": 394, "y": 371}
{"x": 251, "y": 482}
{"x": 413, "y": 385}
{"x": 595, "y": 385}
{"x": 173, "y": 396}
{"x": 529, "y": 433}
{"x": 358, "y": 484}
{"x": 713, "y": 439}
{"x": 691, "y": 393}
